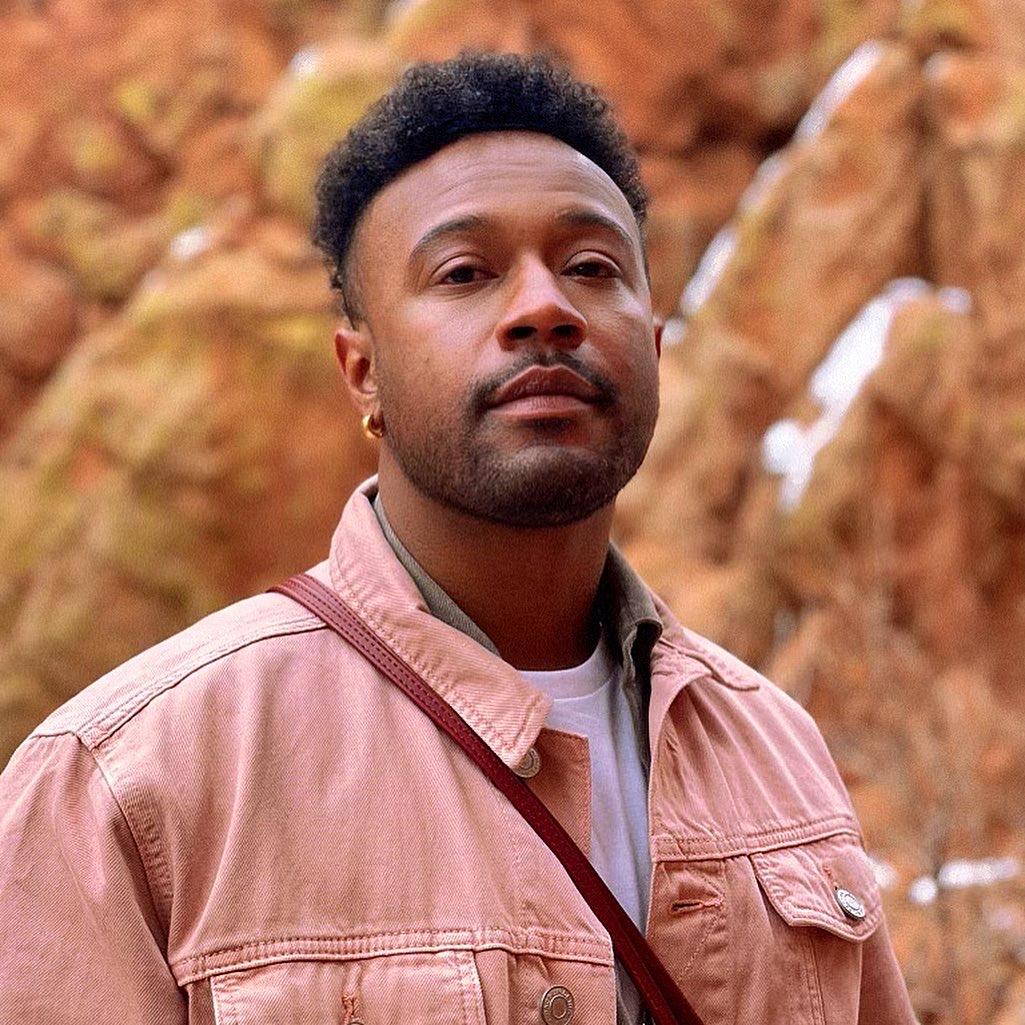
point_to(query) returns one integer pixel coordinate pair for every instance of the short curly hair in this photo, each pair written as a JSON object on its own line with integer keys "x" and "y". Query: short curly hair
{"x": 436, "y": 103}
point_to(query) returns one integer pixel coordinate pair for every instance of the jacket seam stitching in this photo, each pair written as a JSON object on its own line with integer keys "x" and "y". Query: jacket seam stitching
{"x": 425, "y": 934}
{"x": 261, "y": 951}
{"x": 200, "y": 972}
{"x": 464, "y": 994}
{"x": 815, "y": 981}
{"x": 104, "y": 724}
{"x": 228, "y": 1002}
{"x": 150, "y": 833}
{"x": 471, "y": 976}
{"x": 816, "y": 829}
{"x": 158, "y": 905}
{"x": 716, "y": 918}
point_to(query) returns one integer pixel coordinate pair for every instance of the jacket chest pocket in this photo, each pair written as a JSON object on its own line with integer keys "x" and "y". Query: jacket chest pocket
{"x": 494, "y": 986}
{"x": 769, "y": 938}
{"x": 431, "y": 988}
{"x": 823, "y": 903}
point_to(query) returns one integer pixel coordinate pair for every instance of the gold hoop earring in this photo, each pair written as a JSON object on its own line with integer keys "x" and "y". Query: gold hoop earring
{"x": 371, "y": 427}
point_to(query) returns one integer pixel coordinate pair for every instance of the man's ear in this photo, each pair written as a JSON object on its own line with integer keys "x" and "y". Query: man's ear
{"x": 659, "y": 328}
{"x": 355, "y": 353}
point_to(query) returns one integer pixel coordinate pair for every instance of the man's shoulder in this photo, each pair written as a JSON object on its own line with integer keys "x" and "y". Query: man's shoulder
{"x": 767, "y": 749}
{"x": 104, "y": 706}
{"x": 739, "y": 676}
{"x": 767, "y": 726}
{"x": 753, "y": 692}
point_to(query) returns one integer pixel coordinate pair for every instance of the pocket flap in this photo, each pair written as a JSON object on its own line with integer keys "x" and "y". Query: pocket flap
{"x": 827, "y": 883}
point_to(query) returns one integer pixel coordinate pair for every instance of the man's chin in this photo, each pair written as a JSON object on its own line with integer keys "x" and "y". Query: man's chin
{"x": 545, "y": 486}
{"x": 549, "y": 483}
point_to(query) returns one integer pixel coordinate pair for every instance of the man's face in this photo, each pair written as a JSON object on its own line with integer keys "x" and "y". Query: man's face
{"x": 507, "y": 251}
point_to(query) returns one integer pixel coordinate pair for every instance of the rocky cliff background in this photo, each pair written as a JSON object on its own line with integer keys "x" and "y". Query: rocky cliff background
{"x": 837, "y": 487}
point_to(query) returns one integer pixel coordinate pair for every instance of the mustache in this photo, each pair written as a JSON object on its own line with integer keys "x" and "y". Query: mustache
{"x": 483, "y": 391}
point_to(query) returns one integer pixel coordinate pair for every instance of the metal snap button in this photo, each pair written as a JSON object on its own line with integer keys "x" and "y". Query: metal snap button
{"x": 530, "y": 766}
{"x": 557, "y": 1006}
{"x": 849, "y": 904}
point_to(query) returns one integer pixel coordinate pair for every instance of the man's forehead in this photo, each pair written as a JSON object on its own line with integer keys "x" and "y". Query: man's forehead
{"x": 488, "y": 170}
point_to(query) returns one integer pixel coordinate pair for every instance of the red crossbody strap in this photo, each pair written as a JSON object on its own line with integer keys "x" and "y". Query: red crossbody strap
{"x": 660, "y": 993}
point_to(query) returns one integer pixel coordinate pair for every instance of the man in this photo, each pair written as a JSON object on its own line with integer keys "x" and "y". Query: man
{"x": 249, "y": 823}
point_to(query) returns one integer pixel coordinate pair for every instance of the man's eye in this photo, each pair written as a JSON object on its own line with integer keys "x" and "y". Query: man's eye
{"x": 464, "y": 274}
{"x": 593, "y": 269}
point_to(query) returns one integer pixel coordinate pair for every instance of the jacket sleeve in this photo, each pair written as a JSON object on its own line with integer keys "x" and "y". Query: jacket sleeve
{"x": 80, "y": 941}
{"x": 884, "y": 994}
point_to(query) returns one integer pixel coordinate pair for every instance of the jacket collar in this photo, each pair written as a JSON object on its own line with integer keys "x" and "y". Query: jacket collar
{"x": 497, "y": 702}
{"x": 488, "y": 693}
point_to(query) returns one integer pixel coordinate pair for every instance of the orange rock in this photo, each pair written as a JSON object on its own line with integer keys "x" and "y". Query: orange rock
{"x": 691, "y": 198}
{"x": 313, "y": 105}
{"x": 37, "y": 313}
{"x": 438, "y": 29}
{"x": 978, "y": 108}
{"x": 195, "y": 451}
{"x": 1012, "y": 1010}
{"x": 831, "y": 215}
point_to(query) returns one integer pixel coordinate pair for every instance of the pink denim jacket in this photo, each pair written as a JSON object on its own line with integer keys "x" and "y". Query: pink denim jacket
{"x": 248, "y": 824}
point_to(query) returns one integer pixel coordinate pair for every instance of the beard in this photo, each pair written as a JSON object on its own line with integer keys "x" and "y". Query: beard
{"x": 542, "y": 482}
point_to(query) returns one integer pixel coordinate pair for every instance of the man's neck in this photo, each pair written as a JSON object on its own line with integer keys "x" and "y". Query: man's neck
{"x": 532, "y": 591}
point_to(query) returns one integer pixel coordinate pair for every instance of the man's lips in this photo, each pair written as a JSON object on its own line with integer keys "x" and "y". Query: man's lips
{"x": 544, "y": 389}
{"x": 531, "y": 407}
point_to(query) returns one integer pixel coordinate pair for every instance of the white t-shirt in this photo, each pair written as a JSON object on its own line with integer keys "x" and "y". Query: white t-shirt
{"x": 589, "y": 700}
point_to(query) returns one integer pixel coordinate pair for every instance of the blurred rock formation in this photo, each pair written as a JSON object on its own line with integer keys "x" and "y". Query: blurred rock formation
{"x": 836, "y": 489}
{"x": 191, "y": 452}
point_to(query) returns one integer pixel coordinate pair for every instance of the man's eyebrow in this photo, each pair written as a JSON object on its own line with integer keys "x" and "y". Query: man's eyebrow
{"x": 583, "y": 218}
{"x": 453, "y": 226}
{"x": 577, "y": 217}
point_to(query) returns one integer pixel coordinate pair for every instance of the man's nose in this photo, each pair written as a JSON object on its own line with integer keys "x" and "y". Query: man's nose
{"x": 538, "y": 311}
